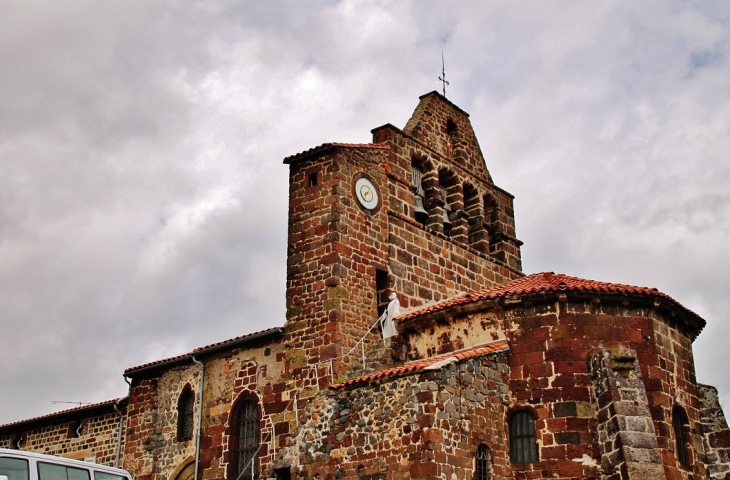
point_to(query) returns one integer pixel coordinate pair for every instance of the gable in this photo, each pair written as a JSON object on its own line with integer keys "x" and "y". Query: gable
{"x": 446, "y": 129}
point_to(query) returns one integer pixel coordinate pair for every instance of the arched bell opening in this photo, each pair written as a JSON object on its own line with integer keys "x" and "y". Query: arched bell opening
{"x": 418, "y": 172}
{"x": 451, "y": 199}
{"x": 491, "y": 220}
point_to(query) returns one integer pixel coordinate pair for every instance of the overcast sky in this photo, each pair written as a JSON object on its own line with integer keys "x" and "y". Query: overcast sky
{"x": 143, "y": 196}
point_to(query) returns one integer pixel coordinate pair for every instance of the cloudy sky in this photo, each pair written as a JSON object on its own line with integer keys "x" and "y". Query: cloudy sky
{"x": 143, "y": 196}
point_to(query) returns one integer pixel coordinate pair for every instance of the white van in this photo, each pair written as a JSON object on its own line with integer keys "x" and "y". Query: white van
{"x": 19, "y": 465}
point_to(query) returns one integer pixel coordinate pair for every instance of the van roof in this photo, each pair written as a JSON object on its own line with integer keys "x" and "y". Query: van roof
{"x": 62, "y": 461}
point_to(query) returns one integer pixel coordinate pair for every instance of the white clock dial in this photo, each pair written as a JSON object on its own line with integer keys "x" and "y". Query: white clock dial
{"x": 366, "y": 193}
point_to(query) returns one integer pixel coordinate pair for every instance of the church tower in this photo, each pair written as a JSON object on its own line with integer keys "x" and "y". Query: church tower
{"x": 415, "y": 212}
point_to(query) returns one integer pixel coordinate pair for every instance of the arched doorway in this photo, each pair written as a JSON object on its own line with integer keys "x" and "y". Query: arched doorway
{"x": 185, "y": 471}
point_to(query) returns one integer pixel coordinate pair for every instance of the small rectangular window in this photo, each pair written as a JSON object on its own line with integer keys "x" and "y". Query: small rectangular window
{"x": 312, "y": 179}
{"x": 523, "y": 447}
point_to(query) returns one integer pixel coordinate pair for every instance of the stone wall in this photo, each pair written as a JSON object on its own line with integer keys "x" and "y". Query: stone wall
{"x": 91, "y": 437}
{"x": 152, "y": 449}
{"x": 428, "y": 267}
{"x": 337, "y": 250}
{"x": 440, "y": 139}
{"x": 552, "y": 341}
{"x": 426, "y": 425}
{"x": 627, "y": 441}
{"x": 152, "y": 423}
{"x": 715, "y": 433}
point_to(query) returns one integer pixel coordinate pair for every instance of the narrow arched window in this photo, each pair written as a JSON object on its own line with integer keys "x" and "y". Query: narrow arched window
{"x": 680, "y": 422}
{"x": 245, "y": 440}
{"x": 522, "y": 444}
{"x": 419, "y": 195}
{"x": 185, "y": 406}
{"x": 483, "y": 467}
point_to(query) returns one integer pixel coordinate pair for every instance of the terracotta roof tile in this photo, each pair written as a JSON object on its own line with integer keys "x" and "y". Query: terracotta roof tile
{"x": 238, "y": 339}
{"x": 327, "y": 146}
{"x": 539, "y": 283}
{"x": 79, "y": 409}
{"x": 433, "y": 363}
{"x": 199, "y": 350}
{"x": 157, "y": 362}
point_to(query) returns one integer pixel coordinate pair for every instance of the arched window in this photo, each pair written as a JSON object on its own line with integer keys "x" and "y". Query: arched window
{"x": 680, "y": 422}
{"x": 491, "y": 218}
{"x": 185, "y": 406}
{"x": 522, "y": 444}
{"x": 450, "y": 193}
{"x": 483, "y": 467}
{"x": 419, "y": 194}
{"x": 244, "y": 440}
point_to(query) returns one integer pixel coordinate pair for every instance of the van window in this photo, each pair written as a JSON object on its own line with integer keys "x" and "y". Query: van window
{"x": 49, "y": 471}
{"x": 14, "y": 468}
{"x": 107, "y": 476}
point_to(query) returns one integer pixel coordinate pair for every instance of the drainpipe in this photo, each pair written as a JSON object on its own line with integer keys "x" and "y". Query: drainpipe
{"x": 200, "y": 417}
{"x": 118, "y": 455}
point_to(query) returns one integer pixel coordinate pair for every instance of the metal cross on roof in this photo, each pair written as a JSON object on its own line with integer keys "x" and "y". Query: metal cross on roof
{"x": 442, "y": 78}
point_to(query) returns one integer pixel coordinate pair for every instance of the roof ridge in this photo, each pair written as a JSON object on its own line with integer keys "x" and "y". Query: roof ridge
{"x": 327, "y": 145}
{"x": 198, "y": 350}
{"x": 537, "y": 283}
{"x": 80, "y": 408}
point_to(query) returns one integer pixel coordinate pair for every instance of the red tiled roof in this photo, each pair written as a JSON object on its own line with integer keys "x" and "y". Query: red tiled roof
{"x": 432, "y": 363}
{"x": 238, "y": 339}
{"x": 79, "y": 409}
{"x": 326, "y": 146}
{"x": 202, "y": 350}
{"x": 542, "y": 283}
{"x": 158, "y": 362}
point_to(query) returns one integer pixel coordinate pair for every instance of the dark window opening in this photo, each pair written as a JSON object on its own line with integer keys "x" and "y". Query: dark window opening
{"x": 185, "y": 407}
{"x": 449, "y": 191}
{"x": 282, "y": 473}
{"x": 75, "y": 429}
{"x": 483, "y": 467}
{"x": 447, "y": 212}
{"x": 453, "y": 132}
{"x": 312, "y": 179}
{"x": 451, "y": 128}
{"x": 680, "y": 422}
{"x": 419, "y": 195}
{"x": 382, "y": 284}
{"x": 491, "y": 217}
{"x": 245, "y": 437}
{"x": 522, "y": 444}
{"x": 18, "y": 441}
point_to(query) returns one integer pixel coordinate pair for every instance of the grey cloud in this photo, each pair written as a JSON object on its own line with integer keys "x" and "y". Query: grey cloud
{"x": 143, "y": 199}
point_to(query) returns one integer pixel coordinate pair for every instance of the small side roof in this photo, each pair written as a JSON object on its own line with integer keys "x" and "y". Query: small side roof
{"x": 432, "y": 363}
{"x": 206, "y": 350}
{"x": 107, "y": 405}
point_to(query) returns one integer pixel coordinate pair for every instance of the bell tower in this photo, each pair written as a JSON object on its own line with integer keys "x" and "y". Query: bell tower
{"x": 415, "y": 212}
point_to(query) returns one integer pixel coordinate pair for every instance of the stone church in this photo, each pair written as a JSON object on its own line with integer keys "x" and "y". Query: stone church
{"x": 491, "y": 373}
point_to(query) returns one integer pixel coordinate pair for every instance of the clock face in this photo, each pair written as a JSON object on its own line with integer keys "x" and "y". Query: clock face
{"x": 366, "y": 193}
